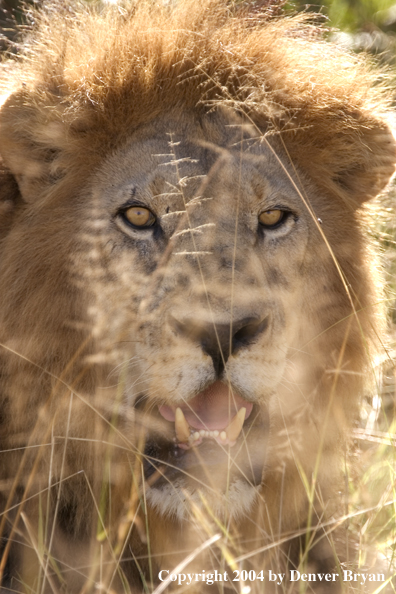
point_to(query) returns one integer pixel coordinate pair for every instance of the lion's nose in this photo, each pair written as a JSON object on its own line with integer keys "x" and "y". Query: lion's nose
{"x": 220, "y": 340}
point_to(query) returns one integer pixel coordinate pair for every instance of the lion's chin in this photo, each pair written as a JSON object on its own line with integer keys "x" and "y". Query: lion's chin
{"x": 178, "y": 502}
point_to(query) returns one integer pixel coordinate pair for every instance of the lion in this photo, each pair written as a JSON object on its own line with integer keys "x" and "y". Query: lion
{"x": 190, "y": 300}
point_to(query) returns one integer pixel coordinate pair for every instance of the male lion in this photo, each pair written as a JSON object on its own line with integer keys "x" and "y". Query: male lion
{"x": 189, "y": 302}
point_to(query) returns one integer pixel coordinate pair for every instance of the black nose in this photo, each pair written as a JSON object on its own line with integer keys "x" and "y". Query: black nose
{"x": 220, "y": 340}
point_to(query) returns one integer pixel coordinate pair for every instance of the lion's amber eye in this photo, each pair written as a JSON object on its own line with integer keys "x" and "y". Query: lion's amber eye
{"x": 139, "y": 216}
{"x": 270, "y": 218}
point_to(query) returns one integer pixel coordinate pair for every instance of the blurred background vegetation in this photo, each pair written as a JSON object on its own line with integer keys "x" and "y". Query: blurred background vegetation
{"x": 357, "y": 15}
{"x": 368, "y": 25}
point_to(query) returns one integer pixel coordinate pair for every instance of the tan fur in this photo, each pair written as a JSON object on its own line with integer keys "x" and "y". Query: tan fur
{"x": 207, "y": 117}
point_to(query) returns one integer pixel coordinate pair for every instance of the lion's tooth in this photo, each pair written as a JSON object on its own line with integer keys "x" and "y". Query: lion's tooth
{"x": 182, "y": 428}
{"x": 234, "y": 428}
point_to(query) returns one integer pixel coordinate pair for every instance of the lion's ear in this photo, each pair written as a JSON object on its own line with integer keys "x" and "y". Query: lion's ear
{"x": 31, "y": 139}
{"x": 371, "y": 165}
{"x": 353, "y": 158}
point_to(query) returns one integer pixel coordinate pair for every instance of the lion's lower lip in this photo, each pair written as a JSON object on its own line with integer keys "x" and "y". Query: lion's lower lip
{"x": 210, "y": 464}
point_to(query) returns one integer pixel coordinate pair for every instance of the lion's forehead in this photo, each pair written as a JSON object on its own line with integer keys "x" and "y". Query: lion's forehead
{"x": 173, "y": 163}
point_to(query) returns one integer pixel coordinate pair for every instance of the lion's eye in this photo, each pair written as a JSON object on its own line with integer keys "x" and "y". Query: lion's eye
{"x": 139, "y": 216}
{"x": 272, "y": 218}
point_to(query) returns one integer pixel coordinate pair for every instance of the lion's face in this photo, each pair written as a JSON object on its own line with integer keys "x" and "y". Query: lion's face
{"x": 211, "y": 242}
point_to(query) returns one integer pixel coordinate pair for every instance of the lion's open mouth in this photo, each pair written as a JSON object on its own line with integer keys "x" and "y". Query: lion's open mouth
{"x": 216, "y": 432}
{"x": 216, "y": 413}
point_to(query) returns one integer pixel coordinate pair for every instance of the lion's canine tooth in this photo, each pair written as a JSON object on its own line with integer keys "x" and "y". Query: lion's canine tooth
{"x": 182, "y": 428}
{"x": 234, "y": 428}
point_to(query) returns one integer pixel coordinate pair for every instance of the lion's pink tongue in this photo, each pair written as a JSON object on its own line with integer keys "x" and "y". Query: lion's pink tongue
{"x": 211, "y": 409}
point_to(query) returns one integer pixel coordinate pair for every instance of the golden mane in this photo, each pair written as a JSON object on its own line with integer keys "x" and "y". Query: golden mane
{"x": 103, "y": 74}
